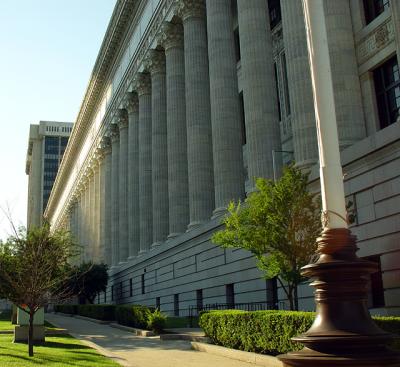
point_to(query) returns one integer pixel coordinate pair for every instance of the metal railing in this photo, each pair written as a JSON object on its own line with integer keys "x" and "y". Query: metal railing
{"x": 194, "y": 311}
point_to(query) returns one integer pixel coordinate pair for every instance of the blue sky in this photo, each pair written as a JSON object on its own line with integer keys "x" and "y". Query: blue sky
{"x": 48, "y": 50}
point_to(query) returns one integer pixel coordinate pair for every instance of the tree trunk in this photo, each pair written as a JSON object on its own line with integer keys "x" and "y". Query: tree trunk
{"x": 30, "y": 334}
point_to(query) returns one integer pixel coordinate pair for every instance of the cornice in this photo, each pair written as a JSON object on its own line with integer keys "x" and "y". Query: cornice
{"x": 123, "y": 12}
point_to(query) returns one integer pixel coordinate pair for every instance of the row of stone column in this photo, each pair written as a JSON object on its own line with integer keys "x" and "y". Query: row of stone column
{"x": 175, "y": 156}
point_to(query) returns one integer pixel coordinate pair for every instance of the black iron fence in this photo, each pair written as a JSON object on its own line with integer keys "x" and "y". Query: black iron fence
{"x": 194, "y": 311}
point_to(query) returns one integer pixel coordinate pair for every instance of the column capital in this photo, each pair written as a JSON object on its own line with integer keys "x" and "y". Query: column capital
{"x": 142, "y": 83}
{"x": 114, "y": 132}
{"x": 191, "y": 9}
{"x": 131, "y": 102}
{"x": 121, "y": 118}
{"x": 104, "y": 147}
{"x": 155, "y": 62}
{"x": 171, "y": 35}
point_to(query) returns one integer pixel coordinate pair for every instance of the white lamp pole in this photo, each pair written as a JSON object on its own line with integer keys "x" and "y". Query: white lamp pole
{"x": 343, "y": 333}
{"x": 332, "y": 190}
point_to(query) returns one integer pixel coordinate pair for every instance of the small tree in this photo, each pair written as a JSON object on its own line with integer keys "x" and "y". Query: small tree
{"x": 34, "y": 270}
{"x": 279, "y": 224}
{"x": 88, "y": 280}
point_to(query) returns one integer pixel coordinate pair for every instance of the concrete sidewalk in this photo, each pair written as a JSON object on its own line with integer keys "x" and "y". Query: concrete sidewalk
{"x": 135, "y": 351}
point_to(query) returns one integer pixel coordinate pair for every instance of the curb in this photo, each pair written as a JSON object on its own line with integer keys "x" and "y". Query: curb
{"x": 101, "y": 322}
{"x": 192, "y": 338}
{"x": 249, "y": 357}
{"x": 137, "y": 332}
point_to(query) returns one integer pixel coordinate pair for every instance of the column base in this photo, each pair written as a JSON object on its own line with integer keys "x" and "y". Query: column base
{"x": 131, "y": 258}
{"x": 343, "y": 333}
{"x": 141, "y": 253}
{"x": 173, "y": 235}
{"x": 219, "y": 212}
{"x": 193, "y": 225}
{"x": 155, "y": 245}
{"x": 121, "y": 263}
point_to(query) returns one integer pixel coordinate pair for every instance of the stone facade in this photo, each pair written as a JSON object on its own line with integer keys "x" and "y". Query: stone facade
{"x": 189, "y": 102}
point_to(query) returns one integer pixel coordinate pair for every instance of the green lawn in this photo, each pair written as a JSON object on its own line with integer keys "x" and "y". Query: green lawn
{"x": 60, "y": 351}
{"x": 5, "y": 321}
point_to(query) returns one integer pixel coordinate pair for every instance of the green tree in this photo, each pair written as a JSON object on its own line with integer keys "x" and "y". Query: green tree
{"x": 34, "y": 269}
{"x": 88, "y": 280}
{"x": 279, "y": 224}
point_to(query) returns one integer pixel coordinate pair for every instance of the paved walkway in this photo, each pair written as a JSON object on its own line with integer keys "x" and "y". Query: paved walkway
{"x": 135, "y": 351}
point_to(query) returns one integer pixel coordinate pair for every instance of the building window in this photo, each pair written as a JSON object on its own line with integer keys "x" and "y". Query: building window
{"x": 158, "y": 303}
{"x": 373, "y": 8}
{"x": 230, "y": 295}
{"x": 176, "y": 304}
{"x": 242, "y": 118}
{"x": 143, "y": 285}
{"x": 199, "y": 299}
{"x": 237, "y": 44}
{"x": 112, "y": 293}
{"x": 130, "y": 287}
{"x": 286, "y": 84}
{"x": 272, "y": 294}
{"x": 387, "y": 88}
{"x": 376, "y": 296}
{"x": 277, "y": 91}
{"x": 120, "y": 293}
{"x": 105, "y": 296}
{"x": 274, "y": 8}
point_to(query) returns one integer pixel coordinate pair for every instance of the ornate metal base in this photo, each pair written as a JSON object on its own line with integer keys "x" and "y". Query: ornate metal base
{"x": 343, "y": 333}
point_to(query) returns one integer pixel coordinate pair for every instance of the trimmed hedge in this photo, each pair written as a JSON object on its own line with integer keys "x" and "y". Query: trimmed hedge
{"x": 134, "y": 316}
{"x": 267, "y": 332}
{"x": 68, "y": 309}
{"x": 98, "y": 312}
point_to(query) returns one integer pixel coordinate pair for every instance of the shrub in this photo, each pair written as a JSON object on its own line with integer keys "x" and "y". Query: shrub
{"x": 390, "y": 324}
{"x": 156, "y": 321}
{"x": 68, "y": 309}
{"x": 267, "y": 332}
{"x": 98, "y": 312}
{"x": 133, "y": 315}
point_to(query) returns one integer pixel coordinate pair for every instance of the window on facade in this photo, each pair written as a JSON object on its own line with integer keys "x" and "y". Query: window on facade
{"x": 274, "y": 7}
{"x": 176, "y": 304}
{"x": 158, "y": 303}
{"x": 373, "y": 8}
{"x": 230, "y": 295}
{"x": 237, "y": 44}
{"x": 387, "y": 88}
{"x": 286, "y": 84}
{"x": 105, "y": 297}
{"x": 120, "y": 290}
{"x": 51, "y": 145}
{"x": 143, "y": 285}
{"x": 272, "y": 293}
{"x": 277, "y": 91}
{"x": 376, "y": 296}
{"x": 130, "y": 287}
{"x": 242, "y": 118}
{"x": 199, "y": 299}
{"x": 112, "y": 293}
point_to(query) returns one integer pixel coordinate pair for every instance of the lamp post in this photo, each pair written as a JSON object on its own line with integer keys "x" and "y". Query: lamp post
{"x": 343, "y": 333}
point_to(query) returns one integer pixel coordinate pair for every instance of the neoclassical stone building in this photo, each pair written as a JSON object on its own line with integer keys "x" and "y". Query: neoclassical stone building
{"x": 188, "y": 102}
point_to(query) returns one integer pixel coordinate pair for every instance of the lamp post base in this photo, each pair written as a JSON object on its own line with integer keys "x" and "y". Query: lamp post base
{"x": 343, "y": 333}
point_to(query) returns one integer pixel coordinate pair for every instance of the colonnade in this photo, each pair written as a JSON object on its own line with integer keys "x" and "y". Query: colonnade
{"x": 172, "y": 157}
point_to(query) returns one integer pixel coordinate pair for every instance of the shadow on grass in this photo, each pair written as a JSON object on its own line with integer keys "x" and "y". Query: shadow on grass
{"x": 63, "y": 345}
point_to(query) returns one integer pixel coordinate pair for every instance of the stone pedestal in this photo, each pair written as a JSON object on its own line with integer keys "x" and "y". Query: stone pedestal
{"x": 21, "y": 334}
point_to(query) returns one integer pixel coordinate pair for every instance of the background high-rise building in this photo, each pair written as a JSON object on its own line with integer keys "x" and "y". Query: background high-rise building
{"x": 47, "y": 142}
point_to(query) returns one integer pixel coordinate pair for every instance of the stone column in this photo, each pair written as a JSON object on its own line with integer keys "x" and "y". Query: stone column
{"x": 106, "y": 207}
{"x": 346, "y": 81}
{"x": 91, "y": 214}
{"x": 300, "y": 87}
{"x": 143, "y": 87}
{"x": 171, "y": 37}
{"x": 96, "y": 210}
{"x": 225, "y": 109}
{"x": 122, "y": 120}
{"x": 132, "y": 106}
{"x": 114, "y": 195}
{"x": 85, "y": 217}
{"x": 198, "y": 114}
{"x": 155, "y": 63}
{"x": 259, "y": 94}
{"x": 101, "y": 201}
{"x": 395, "y": 9}
{"x": 79, "y": 220}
